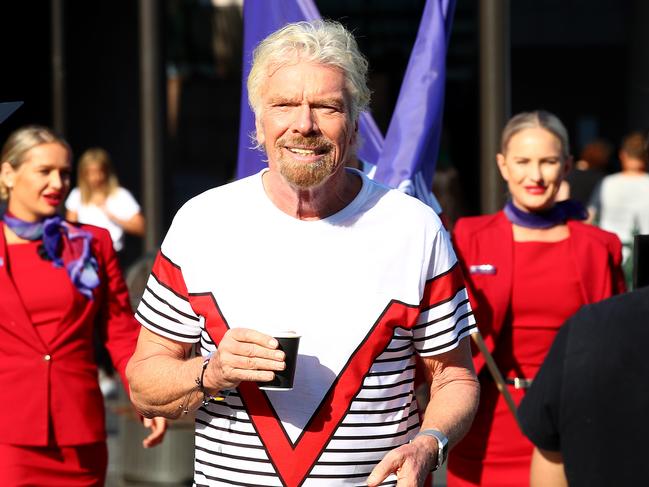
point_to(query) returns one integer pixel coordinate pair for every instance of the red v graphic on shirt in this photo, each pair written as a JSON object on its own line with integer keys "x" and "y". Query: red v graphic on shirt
{"x": 293, "y": 462}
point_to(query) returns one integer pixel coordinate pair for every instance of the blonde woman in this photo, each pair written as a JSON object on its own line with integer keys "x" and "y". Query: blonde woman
{"x": 99, "y": 200}
{"x": 528, "y": 268}
{"x": 59, "y": 283}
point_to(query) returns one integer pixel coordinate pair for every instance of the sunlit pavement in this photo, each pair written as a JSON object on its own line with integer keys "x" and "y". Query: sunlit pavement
{"x": 129, "y": 465}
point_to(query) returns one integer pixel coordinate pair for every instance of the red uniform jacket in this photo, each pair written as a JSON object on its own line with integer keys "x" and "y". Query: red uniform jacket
{"x": 488, "y": 241}
{"x": 56, "y": 383}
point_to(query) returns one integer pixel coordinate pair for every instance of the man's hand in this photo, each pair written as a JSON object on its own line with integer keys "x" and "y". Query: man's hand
{"x": 411, "y": 463}
{"x": 243, "y": 355}
{"x": 158, "y": 426}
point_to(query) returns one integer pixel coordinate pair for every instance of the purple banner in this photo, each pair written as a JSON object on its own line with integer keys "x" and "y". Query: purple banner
{"x": 411, "y": 145}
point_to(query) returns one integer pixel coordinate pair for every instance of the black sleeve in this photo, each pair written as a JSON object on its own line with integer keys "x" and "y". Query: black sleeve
{"x": 539, "y": 410}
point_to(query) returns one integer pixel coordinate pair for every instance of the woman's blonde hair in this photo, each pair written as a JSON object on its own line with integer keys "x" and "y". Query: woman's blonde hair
{"x": 536, "y": 119}
{"x": 95, "y": 155}
{"x": 22, "y": 141}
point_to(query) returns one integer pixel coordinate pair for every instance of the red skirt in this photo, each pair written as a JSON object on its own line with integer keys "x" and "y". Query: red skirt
{"x": 64, "y": 466}
{"x": 494, "y": 453}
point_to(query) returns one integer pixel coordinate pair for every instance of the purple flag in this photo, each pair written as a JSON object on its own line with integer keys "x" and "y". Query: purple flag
{"x": 260, "y": 18}
{"x": 411, "y": 145}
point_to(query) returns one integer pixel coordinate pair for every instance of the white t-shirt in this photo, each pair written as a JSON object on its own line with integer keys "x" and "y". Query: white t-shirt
{"x": 121, "y": 204}
{"x": 367, "y": 289}
{"x": 623, "y": 205}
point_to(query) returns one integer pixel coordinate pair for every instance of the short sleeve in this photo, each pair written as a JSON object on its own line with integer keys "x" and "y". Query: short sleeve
{"x": 123, "y": 205}
{"x": 165, "y": 308}
{"x": 539, "y": 411}
{"x": 445, "y": 315}
{"x": 73, "y": 203}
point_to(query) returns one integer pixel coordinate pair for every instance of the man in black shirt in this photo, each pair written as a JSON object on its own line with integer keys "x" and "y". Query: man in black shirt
{"x": 587, "y": 411}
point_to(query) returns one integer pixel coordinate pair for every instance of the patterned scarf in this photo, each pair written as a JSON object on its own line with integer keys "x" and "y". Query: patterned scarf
{"x": 558, "y": 214}
{"x": 65, "y": 245}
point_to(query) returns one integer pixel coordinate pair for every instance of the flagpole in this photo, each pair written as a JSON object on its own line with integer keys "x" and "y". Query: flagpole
{"x": 495, "y": 373}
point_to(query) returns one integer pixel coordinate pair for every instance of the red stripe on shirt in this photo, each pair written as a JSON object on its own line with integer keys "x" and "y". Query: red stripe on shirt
{"x": 170, "y": 275}
{"x": 443, "y": 288}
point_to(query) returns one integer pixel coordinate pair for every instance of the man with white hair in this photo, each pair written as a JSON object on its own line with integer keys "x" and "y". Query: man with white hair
{"x": 365, "y": 275}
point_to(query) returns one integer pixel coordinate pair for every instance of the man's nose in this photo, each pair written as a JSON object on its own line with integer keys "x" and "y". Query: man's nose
{"x": 305, "y": 121}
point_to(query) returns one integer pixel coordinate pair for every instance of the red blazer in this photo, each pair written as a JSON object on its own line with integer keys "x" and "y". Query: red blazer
{"x": 56, "y": 383}
{"x": 488, "y": 240}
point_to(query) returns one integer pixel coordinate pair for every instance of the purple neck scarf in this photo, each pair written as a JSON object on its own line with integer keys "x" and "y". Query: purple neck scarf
{"x": 79, "y": 263}
{"x": 557, "y": 215}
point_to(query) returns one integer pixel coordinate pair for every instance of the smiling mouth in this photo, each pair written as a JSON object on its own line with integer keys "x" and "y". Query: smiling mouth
{"x": 304, "y": 152}
{"x": 53, "y": 198}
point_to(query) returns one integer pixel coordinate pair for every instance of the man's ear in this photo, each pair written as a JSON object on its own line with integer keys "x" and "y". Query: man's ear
{"x": 502, "y": 166}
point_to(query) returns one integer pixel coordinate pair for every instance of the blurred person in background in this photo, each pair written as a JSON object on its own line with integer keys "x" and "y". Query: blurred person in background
{"x": 99, "y": 200}
{"x": 59, "y": 282}
{"x": 589, "y": 170}
{"x": 621, "y": 202}
{"x": 528, "y": 268}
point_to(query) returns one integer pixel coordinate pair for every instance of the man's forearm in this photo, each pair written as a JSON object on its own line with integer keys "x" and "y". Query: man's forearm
{"x": 454, "y": 392}
{"x": 164, "y": 386}
{"x": 452, "y": 407}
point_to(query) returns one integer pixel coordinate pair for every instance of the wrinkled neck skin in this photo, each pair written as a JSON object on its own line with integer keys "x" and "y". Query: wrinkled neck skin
{"x": 314, "y": 203}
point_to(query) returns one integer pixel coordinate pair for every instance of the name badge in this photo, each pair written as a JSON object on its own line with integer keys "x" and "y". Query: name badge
{"x": 482, "y": 269}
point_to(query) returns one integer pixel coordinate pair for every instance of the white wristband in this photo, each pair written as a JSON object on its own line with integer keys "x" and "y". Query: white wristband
{"x": 442, "y": 445}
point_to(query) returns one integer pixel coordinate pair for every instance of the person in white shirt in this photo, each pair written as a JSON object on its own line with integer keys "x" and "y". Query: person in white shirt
{"x": 621, "y": 202}
{"x": 99, "y": 200}
{"x": 276, "y": 251}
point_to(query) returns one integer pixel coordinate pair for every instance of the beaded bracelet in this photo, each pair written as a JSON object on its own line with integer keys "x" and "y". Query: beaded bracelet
{"x": 207, "y": 398}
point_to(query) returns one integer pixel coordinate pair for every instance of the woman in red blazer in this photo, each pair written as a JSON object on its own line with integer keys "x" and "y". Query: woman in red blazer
{"x": 58, "y": 281}
{"x": 528, "y": 268}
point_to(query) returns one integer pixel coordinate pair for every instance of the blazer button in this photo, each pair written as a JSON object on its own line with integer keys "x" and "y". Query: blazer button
{"x": 47, "y": 357}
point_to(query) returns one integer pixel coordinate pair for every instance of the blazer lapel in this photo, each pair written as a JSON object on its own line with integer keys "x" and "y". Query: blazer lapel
{"x": 592, "y": 265}
{"x": 499, "y": 250}
{"x": 13, "y": 315}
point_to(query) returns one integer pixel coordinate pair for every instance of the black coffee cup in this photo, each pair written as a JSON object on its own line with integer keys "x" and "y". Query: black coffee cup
{"x": 283, "y": 381}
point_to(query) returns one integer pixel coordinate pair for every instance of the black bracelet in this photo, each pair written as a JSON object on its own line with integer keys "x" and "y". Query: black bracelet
{"x": 207, "y": 398}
